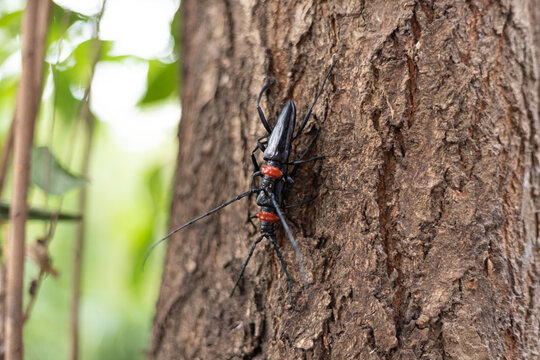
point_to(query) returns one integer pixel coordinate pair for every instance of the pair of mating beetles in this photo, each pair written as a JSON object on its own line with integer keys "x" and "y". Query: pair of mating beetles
{"x": 275, "y": 176}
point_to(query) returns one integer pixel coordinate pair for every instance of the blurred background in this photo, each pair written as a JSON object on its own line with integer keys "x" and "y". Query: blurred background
{"x": 135, "y": 101}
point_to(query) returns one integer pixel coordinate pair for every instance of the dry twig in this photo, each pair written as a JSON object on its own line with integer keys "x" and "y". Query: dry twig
{"x": 34, "y": 29}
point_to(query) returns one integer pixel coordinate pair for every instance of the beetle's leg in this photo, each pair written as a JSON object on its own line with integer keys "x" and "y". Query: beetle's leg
{"x": 258, "y": 240}
{"x": 259, "y": 109}
{"x": 292, "y": 221}
{"x": 291, "y": 239}
{"x": 256, "y": 167}
{"x": 298, "y": 162}
{"x": 284, "y": 267}
{"x": 308, "y": 114}
{"x": 296, "y": 205}
{"x": 255, "y": 174}
{"x": 249, "y": 220}
{"x": 260, "y": 146}
{"x": 300, "y": 203}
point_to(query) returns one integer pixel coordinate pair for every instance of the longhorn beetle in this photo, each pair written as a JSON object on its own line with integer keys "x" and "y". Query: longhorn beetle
{"x": 275, "y": 176}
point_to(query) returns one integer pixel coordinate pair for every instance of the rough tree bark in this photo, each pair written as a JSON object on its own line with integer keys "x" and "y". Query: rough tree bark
{"x": 423, "y": 240}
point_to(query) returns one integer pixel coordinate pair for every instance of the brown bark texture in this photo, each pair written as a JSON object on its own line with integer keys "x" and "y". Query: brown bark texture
{"x": 423, "y": 240}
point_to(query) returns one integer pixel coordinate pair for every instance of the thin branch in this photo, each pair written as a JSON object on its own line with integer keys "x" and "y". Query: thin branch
{"x": 34, "y": 29}
{"x": 6, "y": 152}
{"x": 79, "y": 246}
{"x": 43, "y": 261}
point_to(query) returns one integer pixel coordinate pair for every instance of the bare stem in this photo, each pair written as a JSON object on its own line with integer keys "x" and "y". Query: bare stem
{"x": 34, "y": 29}
{"x": 36, "y": 283}
{"x": 6, "y": 152}
{"x": 77, "y": 260}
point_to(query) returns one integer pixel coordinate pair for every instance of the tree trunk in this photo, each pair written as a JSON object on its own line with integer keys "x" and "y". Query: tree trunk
{"x": 423, "y": 240}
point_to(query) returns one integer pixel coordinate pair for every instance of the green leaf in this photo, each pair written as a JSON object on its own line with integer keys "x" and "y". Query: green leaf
{"x": 66, "y": 103}
{"x": 161, "y": 81}
{"x": 153, "y": 179}
{"x": 62, "y": 19}
{"x": 82, "y": 58}
{"x": 105, "y": 52}
{"x": 11, "y": 22}
{"x": 10, "y": 29}
{"x": 49, "y": 175}
{"x": 8, "y": 92}
{"x": 175, "y": 29}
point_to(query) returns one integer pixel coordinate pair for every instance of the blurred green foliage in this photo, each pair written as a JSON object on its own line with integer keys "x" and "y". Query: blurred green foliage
{"x": 161, "y": 80}
{"x": 49, "y": 175}
{"x": 128, "y": 198}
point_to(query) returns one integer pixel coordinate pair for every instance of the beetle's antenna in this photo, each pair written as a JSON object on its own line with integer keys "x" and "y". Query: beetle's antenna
{"x": 259, "y": 109}
{"x": 297, "y": 165}
{"x": 308, "y": 114}
{"x": 291, "y": 239}
{"x": 238, "y": 197}
{"x": 284, "y": 266}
